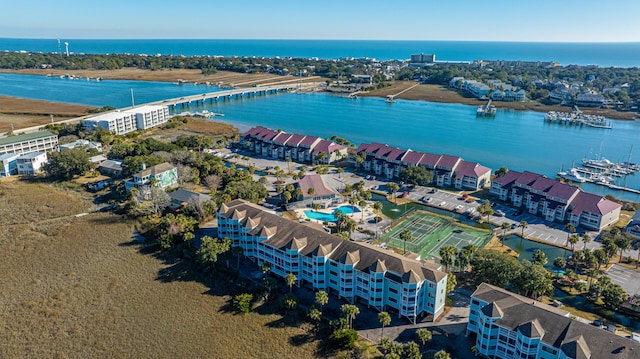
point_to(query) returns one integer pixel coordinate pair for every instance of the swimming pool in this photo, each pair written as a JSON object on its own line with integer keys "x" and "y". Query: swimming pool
{"x": 330, "y": 217}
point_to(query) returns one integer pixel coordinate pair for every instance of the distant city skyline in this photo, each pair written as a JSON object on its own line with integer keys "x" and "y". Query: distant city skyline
{"x": 463, "y": 20}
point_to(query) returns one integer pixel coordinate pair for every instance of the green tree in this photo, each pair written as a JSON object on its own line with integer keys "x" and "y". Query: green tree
{"x": 423, "y": 336}
{"x": 315, "y": 314}
{"x": 242, "y": 303}
{"x": 505, "y": 227}
{"x": 405, "y": 236}
{"x": 290, "y": 302}
{"x": 290, "y": 279}
{"x": 452, "y": 282}
{"x": 265, "y": 267}
{"x": 441, "y": 355}
{"x": 613, "y": 296}
{"x": 447, "y": 255}
{"x": 237, "y": 252}
{"x": 412, "y": 351}
{"x": 559, "y": 263}
{"x": 211, "y": 248}
{"x": 344, "y": 338}
{"x": 501, "y": 172}
{"x": 573, "y": 239}
{"x": 463, "y": 258}
{"x": 586, "y": 238}
{"x": 523, "y": 225}
{"x": 349, "y": 311}
{"x": 533, "y": 280}
{"x": 322, "y": 298}
{"x": 601, "y": 257}
{"x": 393, "y": 188}
{"x": 385, "y": 319}
{"x": 623, "y": 241}
{"x": 495, "y": 268}
{"x": 416, "y": 175}
{"x": 68, "y": 163}
{"x": 539, "y": 257}
{"x": 569, "y": 228}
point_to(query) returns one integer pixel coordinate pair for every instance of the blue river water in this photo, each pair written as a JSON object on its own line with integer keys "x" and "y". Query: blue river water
{"x": 519, "y": 140}
{"x": 602, "y": 54}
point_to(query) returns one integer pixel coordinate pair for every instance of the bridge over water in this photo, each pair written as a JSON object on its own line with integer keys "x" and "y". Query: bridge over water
{"x": 225, "y": 95}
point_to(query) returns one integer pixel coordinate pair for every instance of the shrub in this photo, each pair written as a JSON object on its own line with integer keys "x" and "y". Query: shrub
{"x": 344, "y": 338}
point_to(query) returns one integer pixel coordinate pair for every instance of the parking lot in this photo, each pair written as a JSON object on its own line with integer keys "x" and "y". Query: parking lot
{"x": 627, "y": 278}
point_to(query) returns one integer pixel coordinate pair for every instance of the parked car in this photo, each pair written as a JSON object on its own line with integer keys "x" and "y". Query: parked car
{"x": 442, "y": 203}
{"x": 514, "y": 226}
{"x": 464, "y": 197}
{"x": 498, "y": 213}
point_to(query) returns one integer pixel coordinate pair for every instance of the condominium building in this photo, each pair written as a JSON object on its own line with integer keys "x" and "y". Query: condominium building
{"x": 150, "y": 116}
{"x": 448, "y": 171}
{"x": 510, "y": 326}
{"x": 29, "y": 142}
{"x": 279, "y": 144}
{"x": 121, "y": 122}
{"x": 31, "y": 163}
{"x": 555, "y": 201}
{"x": 355, "y": 271}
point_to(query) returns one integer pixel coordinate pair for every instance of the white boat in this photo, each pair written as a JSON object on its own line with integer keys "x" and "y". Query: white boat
{"x": 572, "y": 175}
{"x": 598, "y": 163}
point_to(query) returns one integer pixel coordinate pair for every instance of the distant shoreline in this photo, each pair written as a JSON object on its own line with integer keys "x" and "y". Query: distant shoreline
{"x": 426, "y": 92}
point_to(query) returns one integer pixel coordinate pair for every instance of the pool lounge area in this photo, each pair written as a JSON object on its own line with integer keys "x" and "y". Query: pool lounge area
{"x": 330, "y": 217}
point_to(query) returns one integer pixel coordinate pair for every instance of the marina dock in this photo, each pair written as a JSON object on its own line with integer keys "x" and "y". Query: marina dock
{"x": 577, "y": 117}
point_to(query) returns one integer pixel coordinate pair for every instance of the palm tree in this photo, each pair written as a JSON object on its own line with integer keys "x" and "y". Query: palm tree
{"x": 573, "y": 239}
{"x": 447, "y": 253}
{"x": 237, "y": 251}
{"x": 623, "y": 241}
{"x": 586, "y": 238}
{"x": 322, "y": 298}
{"x": 288, "y": 160}
{"x": 523, "y": 225}
{"x": 350, "y": 312}
{"x": 265, "y": 267}
{"x": 290, "y": 279}
{"x": 393, "y": 188}
{"x": 385, "y": 319}
{"x": 340, "y": 172}
{"x": 423, "y": 336}
{"x": 441, "y": 355}
{"x": 315, "y": 314}
{"x": 570, "y": 228}
{"x": 505, "y": 227}
{"x": 405, "y": 236}
{"x": 363, "y": 204}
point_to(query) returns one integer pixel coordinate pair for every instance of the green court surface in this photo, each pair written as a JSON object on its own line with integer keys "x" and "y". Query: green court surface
{"x": 430, "y": 233}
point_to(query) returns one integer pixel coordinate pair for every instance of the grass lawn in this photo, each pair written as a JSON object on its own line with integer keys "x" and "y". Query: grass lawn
{"x": 77, "y": 287}
{"x": 430, "y": 233}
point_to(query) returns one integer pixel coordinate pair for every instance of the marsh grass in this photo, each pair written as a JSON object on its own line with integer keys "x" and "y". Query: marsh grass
{"x": 78, "y": 287}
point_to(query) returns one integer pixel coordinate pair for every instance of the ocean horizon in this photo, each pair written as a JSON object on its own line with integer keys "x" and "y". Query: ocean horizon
{"x": 614, "y": 54}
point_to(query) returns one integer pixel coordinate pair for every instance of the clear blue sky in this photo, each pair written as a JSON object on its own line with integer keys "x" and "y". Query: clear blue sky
{"x": 492, "y": 20}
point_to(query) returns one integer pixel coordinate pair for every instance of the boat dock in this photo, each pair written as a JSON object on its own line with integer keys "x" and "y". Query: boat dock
{"x": 577, "y": 117}
{"x": 392, "y": 98}
{"x": 602, "y": 172}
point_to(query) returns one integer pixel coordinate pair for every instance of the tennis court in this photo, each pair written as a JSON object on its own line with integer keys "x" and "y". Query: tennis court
{"x": 430, "y": 233}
